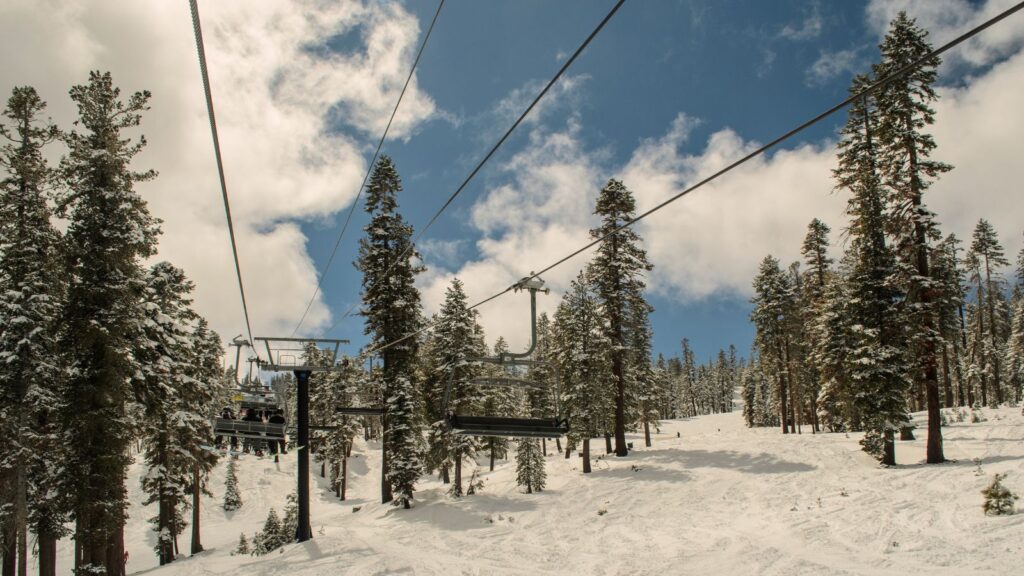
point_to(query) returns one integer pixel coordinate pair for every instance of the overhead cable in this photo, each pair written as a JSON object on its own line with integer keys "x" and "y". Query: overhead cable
{"x": 220, "y": 163}
{"x": 369, "y": 169}
{"x": 494, "y": 149}
{"x": 758, "y": 152}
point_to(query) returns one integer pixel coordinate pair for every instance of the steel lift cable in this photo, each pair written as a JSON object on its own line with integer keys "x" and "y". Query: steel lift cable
{"x": 494, "y": 148}
{"x": 220, "y": 163}
{"x": 758, "y": 152}
{"x": 369, "y": 169}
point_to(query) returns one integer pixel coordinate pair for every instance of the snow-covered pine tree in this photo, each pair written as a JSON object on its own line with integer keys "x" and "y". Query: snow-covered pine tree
{"x": 269, "y": 539}
{"x": 290, "y": 523}
{"x": 773, "y": 304}
{"x": 232, "y": 498}
{"x": 999, "y": 501}
{"x": 617, "y": 273}
{"x": 812, "y": 299}
{"x": 876, "y": 366}
{"x": 163, "y": 354}
{"x": 904, "y": 166}
{"x": 949, "y": 276}
{"x": 456, "y": 341}
{"x": 833, "y": 346}
{"x": 688, "y": 379}
{"x": 582, "y": 352}
{"x": 504, "y": 400}
{"x": 199, "y": 403}
{"x": 987, "y": 253}
{"x": 530, "y": 472}
{"x": 109, "y": 233}
{"x": 1015, "y": 345}
{"x": 391, "y": 307}
{"x": 243, "y": 545}
{"x": 30, "y": 308}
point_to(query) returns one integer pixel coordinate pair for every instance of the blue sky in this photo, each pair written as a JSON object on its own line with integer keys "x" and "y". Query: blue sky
{"x": 669, "y": 92}
{"x": 744, "y": 65}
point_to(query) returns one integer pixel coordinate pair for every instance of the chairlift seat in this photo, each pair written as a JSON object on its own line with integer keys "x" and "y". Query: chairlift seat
{"x": 247, "y": 429}
{"x": 508, "y": 427}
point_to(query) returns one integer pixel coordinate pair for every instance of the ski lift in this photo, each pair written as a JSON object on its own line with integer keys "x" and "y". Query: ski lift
{"x": 549, "y": 427}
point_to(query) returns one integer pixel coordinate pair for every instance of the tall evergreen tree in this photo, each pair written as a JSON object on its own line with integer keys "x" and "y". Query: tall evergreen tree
{"x": 110, "y": 232}
{"x": 988, "y": 253}
{"x": 199, "y": 402}
{"x": 951, "y": 294}
{"x": 905, "y": 167}
{"x": 877, "y": 371}
{"x": 456, "y": 333}
{"x": 773, "y": 305}
{"x": 163, "y": 354}
{"x": 617, "y": 274}
{"x": 30, "y": 308}
{"x": 232, "y": 499}
{"x": 582, "y": 352}
{"x": 391, "y": 306}
{"x": 530, "y": 472}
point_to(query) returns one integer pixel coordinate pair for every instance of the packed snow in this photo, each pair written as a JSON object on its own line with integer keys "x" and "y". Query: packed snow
{"x": 709, "y": 497}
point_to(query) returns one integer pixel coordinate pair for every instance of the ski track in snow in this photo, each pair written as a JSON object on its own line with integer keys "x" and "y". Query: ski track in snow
{"x": 720, "y": 499}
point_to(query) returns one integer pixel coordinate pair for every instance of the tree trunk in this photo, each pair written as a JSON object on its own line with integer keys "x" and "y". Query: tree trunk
{"x": 889, "y": 447}
{"x": 491, "y": 442}
{"x": 568, "y": 450}
{"x": 344, "y": 478}
{"x": 445, "y": 474}
{"x": 586, "y": 455}
{"x": 647, "y": 434}
{"x": 323, "y": 468}
{"x": 947, "y": 381}
{"x": 458, "y": 477}
{"x": 620, "y": 405}
{"x": 47, "y": 555}
{"x": 997, "y": 384}
{"x": 115, "y": 553}
{"x": 558, "y": 445}
{"x": 10, "y": 549}
{"x": 906, "y": 433}
{"x": 197, "y": 543}
{"x": 956, "y": 357}
{"x": 782, "y": 403}
{"x": 544, "y": 446}
{"x": 607, "y": 443}
{"x": 21, "y": 520}
{"x": 386, "y": 495}
{"x": 929, "y": 359}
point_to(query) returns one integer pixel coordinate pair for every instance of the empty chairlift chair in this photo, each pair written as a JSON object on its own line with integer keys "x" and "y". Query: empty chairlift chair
{"x": 471, "y": 425}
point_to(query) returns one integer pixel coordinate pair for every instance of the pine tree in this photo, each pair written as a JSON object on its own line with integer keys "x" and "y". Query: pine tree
{"x": 617, "y": 274}
{"x": 290, "y": 523}
{"x": 876, "y": 365}
{"x": 950, "y": 301}
{"x": 530, "y": 472}
{"x": 243, "y": 545}
{"x": 773, "y": 305}
{"x": 988, "y": 254}
{"x": 269, "y": 539}
{"x": 456, "y": 341}
{"x": 906, "y": 170}
{"x": 812, "y": 301}
{"x": 834, "y": 343}
{"x": 199, "y": 399}
{"x": 30, "y": 307}
{"x": 999, "y": 501}
{"x": 582, "y": 352}
{"x": 110, "y": 232}
{"x": 163, "y": 354}
{"x": 391, "y": 306}
{"x": 232, "y": 499}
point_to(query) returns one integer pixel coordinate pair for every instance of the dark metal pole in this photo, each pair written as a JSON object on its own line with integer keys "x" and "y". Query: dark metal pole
{"x": 303, "y": 532}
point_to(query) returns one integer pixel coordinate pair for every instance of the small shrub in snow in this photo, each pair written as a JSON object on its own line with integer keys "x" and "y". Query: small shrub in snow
{"x": 243, "y": 546}
{"x": 978, "y": 416}
{"x": 998, "y": 498}
{"x": 232, "y": 499}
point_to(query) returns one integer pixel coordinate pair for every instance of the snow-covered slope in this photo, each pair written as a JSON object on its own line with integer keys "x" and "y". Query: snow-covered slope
{"x": 717, "y": 499}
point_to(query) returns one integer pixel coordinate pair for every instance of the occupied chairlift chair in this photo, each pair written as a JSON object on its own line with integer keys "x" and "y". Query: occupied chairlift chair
{"x": 550, "y": 427}
{"x": 251, "y": 400}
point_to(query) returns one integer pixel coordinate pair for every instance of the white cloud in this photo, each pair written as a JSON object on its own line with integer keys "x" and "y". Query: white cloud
{"x": 830, "y": 65}
{"x": 809, "y": 29}
{"x": 275, "y": 96}
{"x": 947, "y": 19}
{"x": 710, "y": 242}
